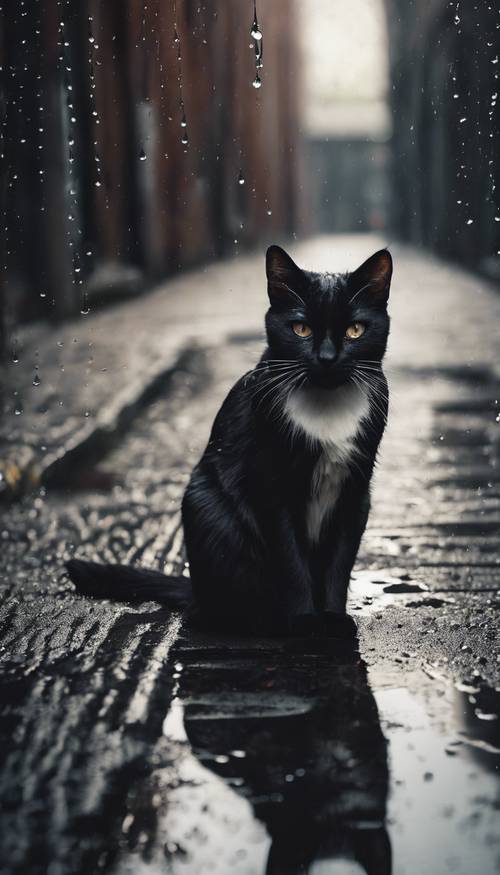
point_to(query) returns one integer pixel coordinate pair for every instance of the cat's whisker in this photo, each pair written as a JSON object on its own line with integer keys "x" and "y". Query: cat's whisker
{"x": 378, "y": 389}
{"x": 369, "y": 369}
{"x": 374, "y": 387}
{"x": 284, "y": 286}
{"x": 371, "y": 373}
{"x": 274, "y": 367}
{"x": 284, "y": 391}
{"x": 371, "y": 394}
{"x": 375, "y": 384}
{"x": 359, "y": 292}
{"x": 277, "y": 382}
{"x": 387, "y": 367}
{"x": 272, "y": 379}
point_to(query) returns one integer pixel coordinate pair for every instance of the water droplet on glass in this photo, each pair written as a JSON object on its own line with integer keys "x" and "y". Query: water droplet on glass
{"x": 257, "y": 82}
{"x": 36, "y": 378}
{"x": 184, "y": 139}
{"x": 85, "y": 305}
{"x": 269, "y": 212}
{"x": 142, "y": 155}
{"x": 183, "y": 120}
{"x": 469, "y": 221}
{"x": 241, "y": 178}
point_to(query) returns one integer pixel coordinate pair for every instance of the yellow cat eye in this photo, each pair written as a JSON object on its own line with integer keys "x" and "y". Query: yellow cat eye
{"x": 355, "y": 330}
{"x": 301, "y": 329}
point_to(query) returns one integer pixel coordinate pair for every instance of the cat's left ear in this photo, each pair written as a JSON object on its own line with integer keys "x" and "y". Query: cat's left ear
{"x": 285, "y": 280}
{"x": 374, "y": 277}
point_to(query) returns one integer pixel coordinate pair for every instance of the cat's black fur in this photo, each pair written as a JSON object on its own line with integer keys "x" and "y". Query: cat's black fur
{"x": 253, "y": 565}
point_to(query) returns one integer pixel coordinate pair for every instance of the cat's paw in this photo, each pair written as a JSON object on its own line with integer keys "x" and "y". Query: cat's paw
{"x": 338, "y": 625}
{"x": 305, "y": 625}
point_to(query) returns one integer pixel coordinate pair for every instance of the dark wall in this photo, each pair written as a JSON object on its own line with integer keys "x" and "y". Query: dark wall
{"x": 446, "y": 144}
{"x": 99, "y": 191}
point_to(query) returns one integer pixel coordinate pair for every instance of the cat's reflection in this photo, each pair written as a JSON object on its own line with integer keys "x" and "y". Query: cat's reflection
{"x": 299, "y": 736}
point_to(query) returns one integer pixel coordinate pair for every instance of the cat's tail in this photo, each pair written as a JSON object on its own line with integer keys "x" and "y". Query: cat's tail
{"x": 127, "y": 584}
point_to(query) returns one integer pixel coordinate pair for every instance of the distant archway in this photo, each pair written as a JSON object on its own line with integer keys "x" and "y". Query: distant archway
{"x": 345, "y": 112}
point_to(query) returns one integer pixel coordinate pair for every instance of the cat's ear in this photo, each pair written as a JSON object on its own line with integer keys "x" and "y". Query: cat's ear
{"x": 284, "y": 279}
{"x": 373, "y": 278}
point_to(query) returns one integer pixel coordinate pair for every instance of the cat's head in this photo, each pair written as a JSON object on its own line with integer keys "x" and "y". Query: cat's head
{"x": 334, "y": 325}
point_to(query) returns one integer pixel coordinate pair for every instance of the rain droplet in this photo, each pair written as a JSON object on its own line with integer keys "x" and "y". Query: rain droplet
{"x": 255, "y": 32}
{"x": 184, "y": 139}
{"x": 469, "y": 221}
{"x": 485, "y": 715}
{"x": 257, "y": 82}
{"x": 142, "y": 155}
{"x": 183, "y": 120}
{"x": 85, "y": 305}
{"x": 241, "y": 178}
{"x": 36, "y": 377}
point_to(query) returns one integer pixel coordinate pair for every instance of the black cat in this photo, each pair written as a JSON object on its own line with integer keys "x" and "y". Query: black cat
{"x": 274, "y": 511}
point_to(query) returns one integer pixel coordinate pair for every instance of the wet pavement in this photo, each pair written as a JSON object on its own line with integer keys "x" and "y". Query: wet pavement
{"x": 129, "y": 745}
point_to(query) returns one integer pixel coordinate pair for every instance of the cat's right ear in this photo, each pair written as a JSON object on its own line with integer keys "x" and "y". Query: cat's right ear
{"x": 285, "y": 279}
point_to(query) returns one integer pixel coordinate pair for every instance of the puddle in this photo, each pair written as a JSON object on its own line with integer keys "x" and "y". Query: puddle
{"x": 374, "y": 590}
{"x": 276, "y": 762}
{"x": 443, "y": 810}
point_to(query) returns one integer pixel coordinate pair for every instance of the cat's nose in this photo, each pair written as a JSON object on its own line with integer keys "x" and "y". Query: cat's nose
{"x": 327, "y": 354}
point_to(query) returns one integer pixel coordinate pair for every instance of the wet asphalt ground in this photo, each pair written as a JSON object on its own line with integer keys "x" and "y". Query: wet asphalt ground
{"x": 130, "y": 745}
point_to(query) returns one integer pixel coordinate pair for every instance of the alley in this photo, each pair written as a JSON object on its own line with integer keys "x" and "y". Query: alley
{"x": 132, "y": 745}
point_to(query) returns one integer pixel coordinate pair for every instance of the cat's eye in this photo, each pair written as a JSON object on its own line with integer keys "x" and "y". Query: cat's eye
{"x": 355, "y": 330}
{"x": 301, "y": 329}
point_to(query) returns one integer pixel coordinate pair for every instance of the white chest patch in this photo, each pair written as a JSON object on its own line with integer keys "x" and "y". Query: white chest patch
{"x": 332, "y": 418}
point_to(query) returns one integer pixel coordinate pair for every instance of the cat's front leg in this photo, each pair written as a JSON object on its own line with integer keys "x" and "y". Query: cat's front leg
{"x": 293, "y": 577}
{"x": 349, "y": 525}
